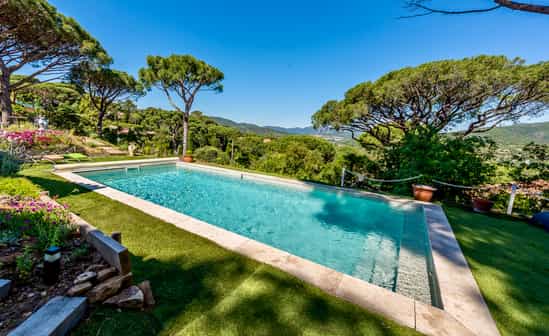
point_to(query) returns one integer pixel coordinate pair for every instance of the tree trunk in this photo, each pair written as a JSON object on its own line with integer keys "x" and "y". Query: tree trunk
{"x": 99, "y": 127}
{"x": 5, "y": 101}
{"x": 185, "y": 132}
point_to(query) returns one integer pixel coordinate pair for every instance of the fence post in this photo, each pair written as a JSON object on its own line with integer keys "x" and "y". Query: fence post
{"x": 511, "y": 199}
{"x": 342, "y": 176}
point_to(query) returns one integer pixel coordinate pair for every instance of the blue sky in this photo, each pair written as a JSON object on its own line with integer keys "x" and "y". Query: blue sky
{"x": 283, "y": 59}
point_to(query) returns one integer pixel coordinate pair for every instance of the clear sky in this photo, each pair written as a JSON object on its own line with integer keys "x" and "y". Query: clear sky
{"x": 283, "y": 59}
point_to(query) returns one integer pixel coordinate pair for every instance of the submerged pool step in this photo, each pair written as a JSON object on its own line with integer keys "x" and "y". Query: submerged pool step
{"x": 374, "y": 260}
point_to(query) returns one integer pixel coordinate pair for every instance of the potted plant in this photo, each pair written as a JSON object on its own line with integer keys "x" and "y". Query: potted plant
{"x": 188, "y": 157}
{"x": 423, "y": 192}
{"x": 481, "y": 201}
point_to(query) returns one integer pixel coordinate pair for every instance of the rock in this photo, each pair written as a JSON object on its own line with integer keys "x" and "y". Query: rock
{"x": 79, "y": 289}
{"x": 84, "y": 277}
{"x": 106, "y": 273}
{"x": 108, "y": 288}
{"x": 145, "y": 287}
{"x": 95, "y": 268}
{"x": 131, "y": 297}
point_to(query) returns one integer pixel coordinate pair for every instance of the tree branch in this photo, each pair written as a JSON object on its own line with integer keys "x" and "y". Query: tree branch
{"x": 513, "y": 5}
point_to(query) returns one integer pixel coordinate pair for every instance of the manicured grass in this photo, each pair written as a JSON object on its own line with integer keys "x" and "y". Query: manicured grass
{"x": 510, "y": 262}
{"x": 203, "y": 289}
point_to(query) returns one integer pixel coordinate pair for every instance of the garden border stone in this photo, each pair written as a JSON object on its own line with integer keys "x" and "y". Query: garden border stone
{"x": 112, "y": 251}
{"x": 55, "y": 318}
{"x": 5, "y": 286}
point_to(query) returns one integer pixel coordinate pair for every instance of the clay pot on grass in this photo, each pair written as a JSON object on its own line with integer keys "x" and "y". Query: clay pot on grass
{"x": 423, "y": 193}
{"x": 188, "y": 157}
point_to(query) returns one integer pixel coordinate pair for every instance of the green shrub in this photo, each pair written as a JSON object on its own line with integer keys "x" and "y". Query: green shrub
{"x": 80, "y": 252}
{"x": 24, "y": 264}
{"x": 211, "y": 154}
{"x": 9, "y": 165}
{"x": 18, "y": 186}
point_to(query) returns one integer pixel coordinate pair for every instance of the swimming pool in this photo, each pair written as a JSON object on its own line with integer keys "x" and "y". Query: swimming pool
{"x": 384, "y": 243}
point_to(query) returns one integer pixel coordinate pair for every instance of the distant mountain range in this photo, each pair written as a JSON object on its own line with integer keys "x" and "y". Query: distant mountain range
{"x": 519, "y": 134}
{"x": 276, "y": 130}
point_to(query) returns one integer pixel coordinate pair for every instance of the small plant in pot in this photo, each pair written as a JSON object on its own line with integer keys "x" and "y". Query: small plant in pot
{"x": 481, "y": 201}
{"x": 188, "y": 157}
{"x": 423, "y": 192}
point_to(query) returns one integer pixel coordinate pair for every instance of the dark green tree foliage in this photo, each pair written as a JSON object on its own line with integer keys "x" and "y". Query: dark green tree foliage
{"x": 532, "y": 163}
{"x": 58, "y": 102}
{"x": 32, "y": 32}
{"x": 183, "y": 76}
{"x": 479, "y": 92}
{"x": 104, "y": 86}
{"x": 212, "y": 154}
{"x": 460, "y": 161}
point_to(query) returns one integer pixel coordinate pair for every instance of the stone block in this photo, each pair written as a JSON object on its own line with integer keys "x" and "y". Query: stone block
{"x": 55, "y": 318}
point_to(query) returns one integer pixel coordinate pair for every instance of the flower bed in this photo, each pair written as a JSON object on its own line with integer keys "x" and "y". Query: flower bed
{"x": 27, "y": 228}
{"x": 35, "y": 140}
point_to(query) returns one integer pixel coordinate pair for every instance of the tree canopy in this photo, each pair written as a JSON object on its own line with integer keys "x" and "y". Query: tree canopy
{"x": 104, "y": 86}
{"x": 476, "y": 93}
{"x": 184, "y": 76}
{"x": 33, "y": 32}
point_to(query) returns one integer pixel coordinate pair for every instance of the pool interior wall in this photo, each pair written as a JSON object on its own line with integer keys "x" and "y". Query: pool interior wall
{"x": 381, "y": 242}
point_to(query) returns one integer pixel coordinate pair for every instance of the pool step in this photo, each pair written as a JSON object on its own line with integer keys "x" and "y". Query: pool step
{"x": 373, "y": 263}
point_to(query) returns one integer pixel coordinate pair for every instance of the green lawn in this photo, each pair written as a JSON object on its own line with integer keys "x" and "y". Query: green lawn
{"x": 510, "y": 262}
{"x": 203, "y": 289}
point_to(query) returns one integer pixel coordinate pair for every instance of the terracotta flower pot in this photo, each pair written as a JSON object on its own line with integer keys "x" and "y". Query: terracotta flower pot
{"x": 188, "y": 158}
{"x": 423, "y": 193}
{"x": 482, "y": 205}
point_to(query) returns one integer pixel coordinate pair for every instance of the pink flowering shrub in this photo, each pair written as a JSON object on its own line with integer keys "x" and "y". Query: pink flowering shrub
{"x": 48, "y": 223}
{"x": 30, "y": 138}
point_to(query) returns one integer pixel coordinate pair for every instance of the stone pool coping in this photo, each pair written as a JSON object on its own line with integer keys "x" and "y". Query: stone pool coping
{"x": 465, "y": 311}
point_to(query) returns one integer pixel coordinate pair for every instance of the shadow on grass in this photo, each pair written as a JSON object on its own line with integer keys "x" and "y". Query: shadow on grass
{"x": 230, "y": 295}
{"x": 510, "y": 261}
{"x": 55, "y": 185}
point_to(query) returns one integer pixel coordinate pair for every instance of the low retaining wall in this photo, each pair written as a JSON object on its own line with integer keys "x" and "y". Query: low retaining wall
{"x": 62, "y": 313}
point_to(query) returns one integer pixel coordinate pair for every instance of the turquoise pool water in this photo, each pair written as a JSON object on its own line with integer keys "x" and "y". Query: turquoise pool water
{"x": 369, "y": 239}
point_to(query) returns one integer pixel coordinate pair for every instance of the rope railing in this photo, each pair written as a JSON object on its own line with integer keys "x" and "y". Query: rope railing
{"x": 514, "y": 187}
{"x": 362, "y": 177}
{"x": 459, "y": 185}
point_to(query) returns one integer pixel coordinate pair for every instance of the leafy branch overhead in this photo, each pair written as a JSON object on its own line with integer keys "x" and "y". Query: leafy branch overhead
{"x": 422, "y": 8}
{"x": 476, "y": 94}
{"x": 32, "y": 32}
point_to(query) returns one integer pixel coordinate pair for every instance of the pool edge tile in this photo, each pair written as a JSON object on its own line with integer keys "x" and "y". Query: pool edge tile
{"x": 377, "y": 299}
{"x": 461, "y": 296}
